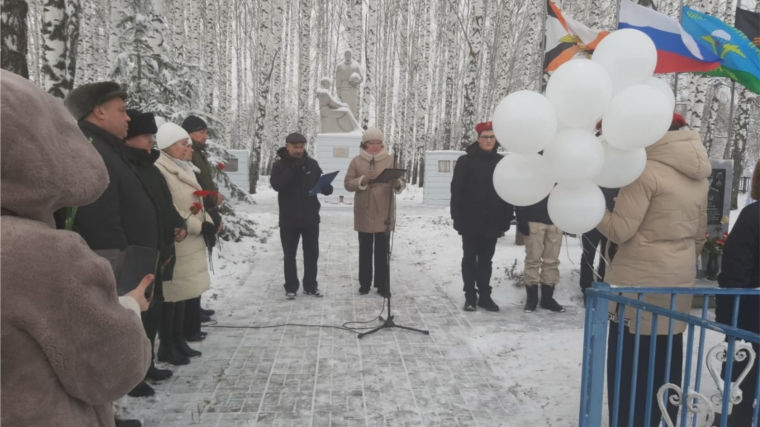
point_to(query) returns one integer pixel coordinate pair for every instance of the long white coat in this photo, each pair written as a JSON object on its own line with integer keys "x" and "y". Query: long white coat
{"x": 191, "y": 277}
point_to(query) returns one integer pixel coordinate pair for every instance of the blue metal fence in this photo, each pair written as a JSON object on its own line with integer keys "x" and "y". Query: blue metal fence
{"x": 686, "y": 401}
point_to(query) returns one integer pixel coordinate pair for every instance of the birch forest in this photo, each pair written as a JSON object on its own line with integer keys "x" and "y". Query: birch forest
{"x": 432, "y": 68}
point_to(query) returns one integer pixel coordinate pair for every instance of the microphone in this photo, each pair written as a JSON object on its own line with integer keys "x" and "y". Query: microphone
{"x": 372, "y": 164}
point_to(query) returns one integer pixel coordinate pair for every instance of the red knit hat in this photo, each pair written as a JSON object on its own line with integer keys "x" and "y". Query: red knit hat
{"x": 483, "y": 126}
{"x": 678, "y": 121}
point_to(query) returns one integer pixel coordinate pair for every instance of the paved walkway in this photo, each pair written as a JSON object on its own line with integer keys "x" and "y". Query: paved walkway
{"x": 295, "y": 376}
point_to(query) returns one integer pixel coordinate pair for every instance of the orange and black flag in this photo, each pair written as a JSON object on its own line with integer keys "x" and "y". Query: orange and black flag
{"x": 566, "y": 38}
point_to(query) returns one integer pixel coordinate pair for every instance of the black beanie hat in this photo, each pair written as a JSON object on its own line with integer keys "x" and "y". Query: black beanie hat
{"x": 295, "y": 138}
{"x": 193, "y": 124}
{"x": 141, "y": 124}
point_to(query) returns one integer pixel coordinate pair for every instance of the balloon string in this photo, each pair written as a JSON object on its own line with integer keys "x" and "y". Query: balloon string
{"x": 607, "y": 263}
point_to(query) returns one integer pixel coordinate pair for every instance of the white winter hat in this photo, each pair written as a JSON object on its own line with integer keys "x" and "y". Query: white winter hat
{"x": 372, "y": 134}
{"x": 169, "y": 134}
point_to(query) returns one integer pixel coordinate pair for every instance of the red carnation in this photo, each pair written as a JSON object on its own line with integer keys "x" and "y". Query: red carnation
{"x": 213, "y": 193}
{"x": 195, "y": 208}
{"x": 202, "y": 193}
{"x": 220, "y": 166}
{"x": 725, "y": 234}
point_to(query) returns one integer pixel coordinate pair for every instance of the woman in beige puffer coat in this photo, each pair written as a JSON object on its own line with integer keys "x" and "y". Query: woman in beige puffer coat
{"x": 659, "y": 225}
{"x": 371, "y": 206}
{"x": 191, "y": 272}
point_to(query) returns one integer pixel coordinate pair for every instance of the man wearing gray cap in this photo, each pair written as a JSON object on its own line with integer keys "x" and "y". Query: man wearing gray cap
{"x": 125, "y": 214}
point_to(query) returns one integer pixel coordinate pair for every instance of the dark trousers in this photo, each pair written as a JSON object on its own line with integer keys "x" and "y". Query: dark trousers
{"x": 476, "y": 265}
{"x": 626, "y": 380}
{"x": 290, "y": 237}
{"x": 741, "y": 414}
{"x": 382, "y": 273}
{"x": 151, "y": 320}
{"x": 591, "y": 241}
{"x": 192, "y": 323}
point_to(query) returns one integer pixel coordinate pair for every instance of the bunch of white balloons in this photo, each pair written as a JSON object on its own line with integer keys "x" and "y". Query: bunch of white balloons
{"x": 617, "y": 86}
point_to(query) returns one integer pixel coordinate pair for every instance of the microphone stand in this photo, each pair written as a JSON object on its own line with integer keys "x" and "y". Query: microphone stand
{"x": 389, "y": 323}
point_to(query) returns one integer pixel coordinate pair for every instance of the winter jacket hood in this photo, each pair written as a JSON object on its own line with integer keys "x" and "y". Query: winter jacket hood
{"x": 44, "y": 168}
{"x": 683, "y": 151}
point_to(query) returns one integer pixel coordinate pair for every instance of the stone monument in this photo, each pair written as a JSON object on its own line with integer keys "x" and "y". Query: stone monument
{"x": 335, "y": 116}
{"x": 348, "y": 77}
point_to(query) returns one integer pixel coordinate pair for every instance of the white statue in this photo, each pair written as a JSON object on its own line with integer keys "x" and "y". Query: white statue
{"x": 336, "y": 116}
{"x": 348, "y": 77}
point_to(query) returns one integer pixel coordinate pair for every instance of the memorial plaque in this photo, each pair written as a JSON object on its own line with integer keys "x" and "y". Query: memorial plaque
{"x": 715, "y": 197}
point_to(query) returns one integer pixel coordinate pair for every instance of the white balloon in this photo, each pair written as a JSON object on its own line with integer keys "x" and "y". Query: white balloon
{"x": 637, "y": 118}
{"x": 576, "y": 209}
{"x": 575, "y": 156}
{"x": 664, "y": 88}
{"x": 524, "y": 122}
{"x": 628, "y": 55}
{"x": 580, "y": 90}
{"x": 522, "y": 179}
{"x": 621, "y": 167}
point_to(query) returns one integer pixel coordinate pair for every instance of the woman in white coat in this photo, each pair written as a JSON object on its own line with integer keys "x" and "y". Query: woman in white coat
{"x": 191, "y": 273}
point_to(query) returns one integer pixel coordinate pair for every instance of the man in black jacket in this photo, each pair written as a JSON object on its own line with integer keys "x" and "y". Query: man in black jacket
{"x": 543, "y": 241}
{"x": 293, "y": 176}
{"x": 479, "y": 215}
{"x": 125, "y": 214}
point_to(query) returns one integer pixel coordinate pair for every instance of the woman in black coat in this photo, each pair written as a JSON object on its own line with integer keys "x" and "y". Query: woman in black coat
{"x": 740, "y": 268}
{"x": 479, "y": 215}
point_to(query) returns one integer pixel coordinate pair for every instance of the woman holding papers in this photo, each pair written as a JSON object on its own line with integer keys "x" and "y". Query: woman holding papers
{"x": 372, "y": 205}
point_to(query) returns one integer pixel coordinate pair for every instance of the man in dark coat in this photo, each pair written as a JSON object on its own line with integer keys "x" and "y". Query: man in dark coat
{"x": 125, "y": 214}
{"x": 543, "y": 241}
{"x": 594, "y": 241}
{"x": 293, "y": 176}
{"x": 740, "y": 268}
{"x": 138, "y": 149}
{"x": 479, "y": 215}
{"x": 197, "y": 128}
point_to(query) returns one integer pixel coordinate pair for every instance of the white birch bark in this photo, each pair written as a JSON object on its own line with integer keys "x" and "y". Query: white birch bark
{"x": 304, "y": 64}
{"x": 60, "y": 34}
{"x": 423, "y": 74}
{"x": 452, "y": 26}
{"x": 698, "y": 87}
{"x": 14, "y": 38}
{"x": 370, "y": 63}
{"x": 474, "y": 46}
{"x": 118, "y": 10}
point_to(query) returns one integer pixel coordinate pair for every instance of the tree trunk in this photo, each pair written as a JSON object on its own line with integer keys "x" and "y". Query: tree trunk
{"x": 60, "y": 31}
{"x": 304, "y": 65}
{"x": 741, "y": 141}
{"x": 370, "y": 63}
{"x": 470, "y": 89}
{"x": 14, "y": 37}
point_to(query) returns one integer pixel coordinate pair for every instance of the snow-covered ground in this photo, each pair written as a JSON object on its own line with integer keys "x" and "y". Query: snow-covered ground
{"x": 535, "y": 358}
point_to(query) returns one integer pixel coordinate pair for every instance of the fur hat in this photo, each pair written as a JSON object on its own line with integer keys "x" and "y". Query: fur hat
{"x": 141, "y": 124}
{"x": 295, "y": 138}
{"x": 169, "y": 134}
{"x": 81, "y": 101}
{"x": 372, "y": 134}
{"x": 194, "y": 124}
{"x": 483, "y": 126}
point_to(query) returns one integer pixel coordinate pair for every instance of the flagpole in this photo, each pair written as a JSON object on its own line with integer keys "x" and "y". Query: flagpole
{"x": 731, "y": 114}
{"x": 544, "y": 16}
{"x": 617, "y": 14}
{"x": 675, "y": 79}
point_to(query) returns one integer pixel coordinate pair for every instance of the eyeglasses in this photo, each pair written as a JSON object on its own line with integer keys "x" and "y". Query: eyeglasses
{"x": 488, "y": 138}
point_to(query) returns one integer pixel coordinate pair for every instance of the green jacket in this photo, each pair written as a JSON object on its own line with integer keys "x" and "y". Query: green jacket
{"x": 200, "y": 160}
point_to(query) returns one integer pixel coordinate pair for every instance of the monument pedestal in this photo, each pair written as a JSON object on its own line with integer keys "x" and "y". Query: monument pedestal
{"x": 334, "y": 152}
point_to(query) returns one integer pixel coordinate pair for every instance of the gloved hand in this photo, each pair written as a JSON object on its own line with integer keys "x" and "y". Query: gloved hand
{"x": 523, "y": 228}
{"x": 208, "y": 231}
{"x": 327, "y": 190}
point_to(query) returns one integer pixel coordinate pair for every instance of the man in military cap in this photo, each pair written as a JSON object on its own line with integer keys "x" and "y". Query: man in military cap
{"x": 125, "y": 214}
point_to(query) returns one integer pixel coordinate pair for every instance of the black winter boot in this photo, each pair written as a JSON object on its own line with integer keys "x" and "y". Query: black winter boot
{"x": 155, "y": 374}
{"x": 547, "y": 299}
{"x": 167, "y": 351}
{"x": 179, "y": 337}
{"x": 142, "y": 390}
{"x": 532, "y": 301}
{"x": 487, "y": 303}
{"x": 127, "y": 423}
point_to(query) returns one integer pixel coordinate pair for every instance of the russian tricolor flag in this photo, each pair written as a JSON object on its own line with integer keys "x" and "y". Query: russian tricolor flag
{"x": 677, "y": 51}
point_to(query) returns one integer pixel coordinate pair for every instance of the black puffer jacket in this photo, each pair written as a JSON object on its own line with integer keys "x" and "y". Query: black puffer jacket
{"x": 125, "y": 214}
{"x": 293, "y": 179}
{"x": 475, "y": 207}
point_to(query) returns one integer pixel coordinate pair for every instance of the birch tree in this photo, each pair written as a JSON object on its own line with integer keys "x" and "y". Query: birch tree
{"x": 60, "y": 33}
{"x": 474, "y": 42}
{"x": 369, "y": 62}
{"x": 698, "y": 86}
{"x": 14, "y": 37}
{"x": 304, "y": 65}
